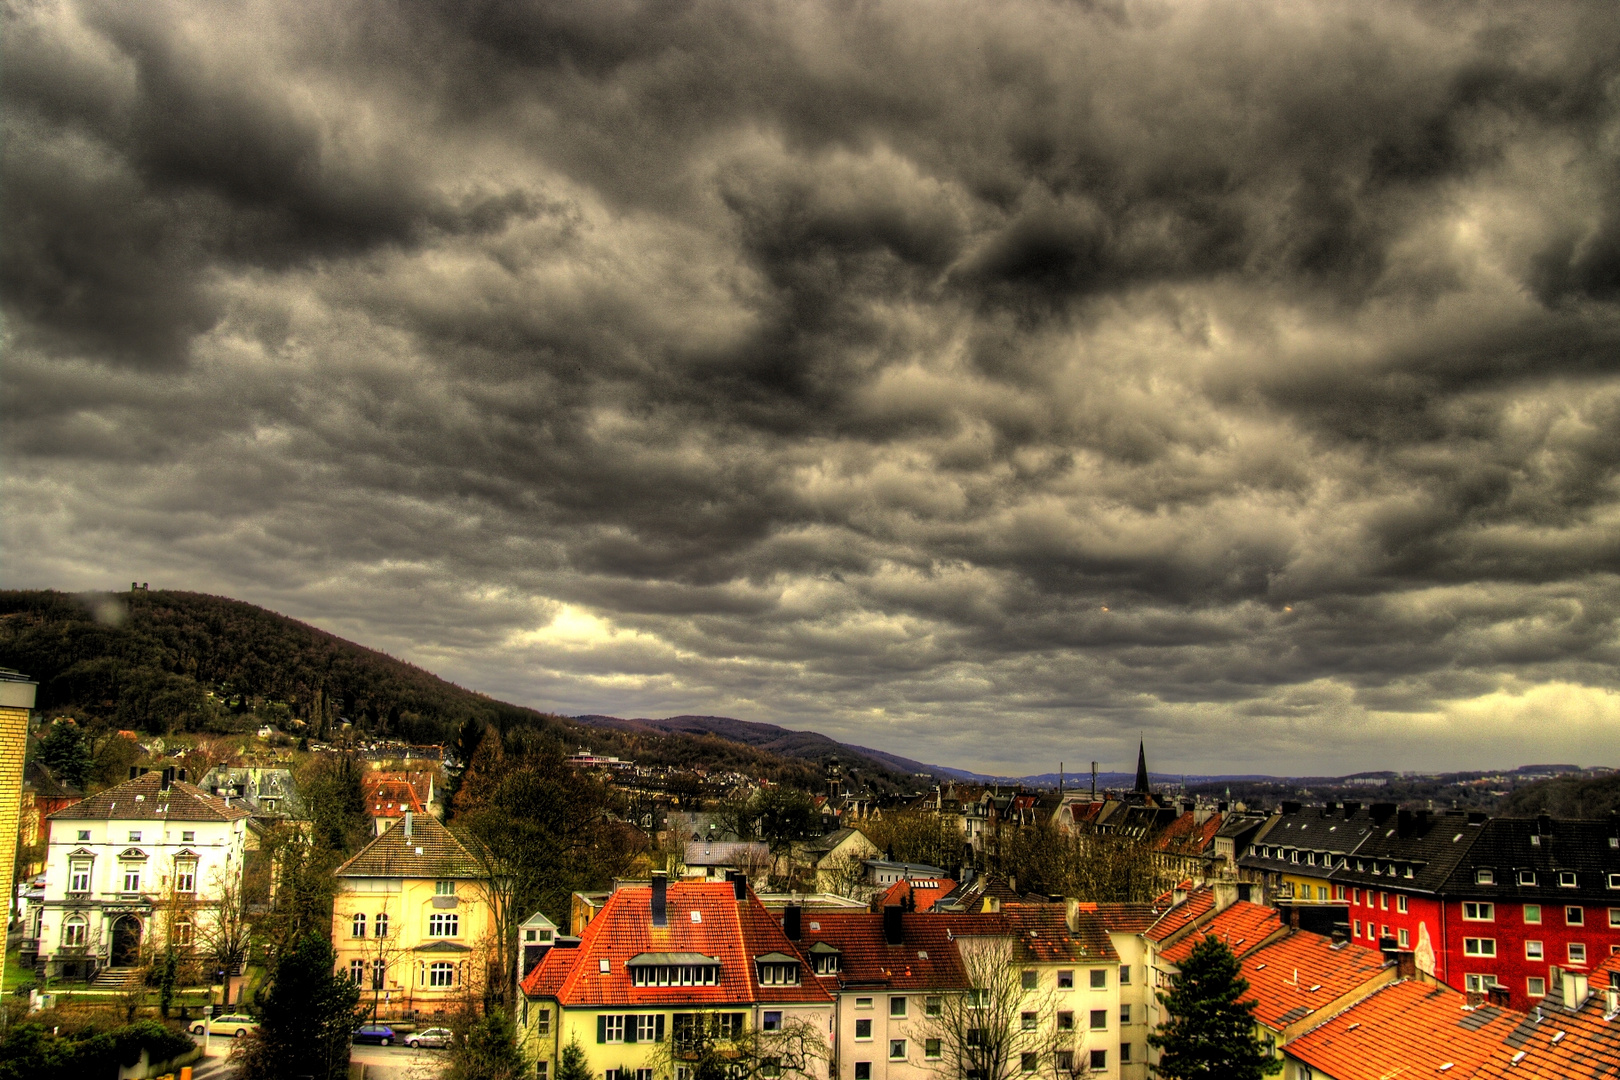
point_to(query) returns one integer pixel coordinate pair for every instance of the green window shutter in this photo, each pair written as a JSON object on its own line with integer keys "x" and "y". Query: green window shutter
{"x": 630, "y": 1028}
{"x": 601, "y": 1029}
{"x": 658, "y": 1029}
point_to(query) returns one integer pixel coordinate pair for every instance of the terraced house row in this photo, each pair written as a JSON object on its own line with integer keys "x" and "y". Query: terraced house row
{"x": 1481, "y": 902}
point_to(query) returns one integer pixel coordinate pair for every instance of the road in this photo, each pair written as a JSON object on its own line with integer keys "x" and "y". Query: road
{"x": 382, "y": 1062}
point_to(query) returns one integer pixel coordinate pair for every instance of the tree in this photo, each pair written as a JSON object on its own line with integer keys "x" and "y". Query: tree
{"x": 573, "y": 1065}
{"x": 917, "y": 836}
{"x": 997, "y": 1029}
{"x": 485, "y": 1048}
{"x": 223, "y": 931}
{"x": 702, "y": 1043}
{"x": 1210, "y": 1031}
{"x": 330, "y": 786}
{"x": 307, "y": 1018}
{"x": 66, "y": 752}
{"x": 1096, "y": 867}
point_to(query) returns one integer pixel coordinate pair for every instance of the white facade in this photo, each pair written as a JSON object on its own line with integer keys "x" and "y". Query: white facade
{"x": 124, "y": 866}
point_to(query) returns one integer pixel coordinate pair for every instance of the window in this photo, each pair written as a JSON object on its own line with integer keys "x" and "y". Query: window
{"x": 379, "y": 974}
{"x": 1533, "y": 950}
{"x": 611, "y": 1028}
{"x": 933, "y": 1049}
{"x": 1527, "y": 877}
{"x": 1355, "y": 896}
{"x": 1478, "y": 984}
{"x": 1358, "y": 928}
{"x": 382, "y": 924}
{"x": 1099, "y": 1060}
{"x": 182, "y": 931}
{"x": 863, "y": 1070}
{"x": 675, "y": 975}
{"x": 1479, "y": 946}
{"x": 1321, "y": 892}
{"x": 1614, "y": 918}
{"x": 132, "y": 877}
{"x": 1028, "y": 1061}
{"x": 977, "y": 998}
{"x": 1124, "y": 974}
{"x": 863, "y": 1030}
{"x": 134, "y": 836}
{"x": 1614, "y": 880}
{"x": 825, "y": 963}
{"x": 1535, "y": 987}
{"x": 1383, "y": 900}
{"x": 1124, "y": 1052}
{"x": 1405, "y": 938}
{"x": 1479, "y": 912}
{"x": 84, "y": 835}
{"x": 1574, "y": 916}
{"x": 1099, "y": 1019}
{"x": 1577, "y": 953}
{"x": 863, "y": 1003}
{"x": 357, "y": 971}
{"x": 542, "y": 1023}
{"x": 933, "y": 1006}
{"x": 1532, "y": 914}
{"x": 1124, "y": 1014}
{"x": 1065, "y": 1061}
{"x": 730, "y": 1025}
{"x": 647, "y": 1074}
{"x": 79, "y": 876}
{"x": 74, "y": 931}
{"x": 897, "y": 1049}
{"x": 1400, "y": 904}
{"x": 444, "y": 888}
{"x": 779, "y": 974}
{"x": 1338, "y": 893}
{"x": 1065, "y": 980}
{"x": 441, "y": 973}
{"x": 1383, "y": 931}
{"x": 357, "y": 925}
{"x": 771, "y": 1021}
{"x": 1032, "y": 979}
{"x": 1027, "y": 1020}
{"x": 188, "y": 836}
{"x": 185, "y": 875}
{"x": 1099, "y": 978}
{"x": 1065, "y": 1021}
{"x": 444, "y": 924}
{"x": 897, "y": 1006}
{"x": 1566, "y": 879}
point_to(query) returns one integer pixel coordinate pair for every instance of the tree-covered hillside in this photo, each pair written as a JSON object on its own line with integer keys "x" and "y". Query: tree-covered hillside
{"x": 161, "y": 661}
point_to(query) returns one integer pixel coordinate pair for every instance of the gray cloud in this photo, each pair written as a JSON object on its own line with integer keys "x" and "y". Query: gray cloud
{"x": 1241, "y": 376}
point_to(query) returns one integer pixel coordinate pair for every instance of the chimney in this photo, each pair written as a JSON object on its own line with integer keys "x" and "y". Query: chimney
{"x": 134, "y": 771}
{"x": 1225, "y": 894}
{"x": 1575, "y": 992}
{"x": 1178, "y": 896}
{"x": 1403, "y": 823}
{"x": 1245, "y": 891}
{"x": 166, "y": 779}
{"x": 892, "y": 933}
{"x": 1405, "y": 964}
{"x": 739, "y": 884}
{"x": 1188, "y": 806}
{"x": 660, "y": 904}
{"x": 1339, "y": 935}
{"x": 1350, "y": 809}
{"x": 1544, "y": 824}
{"x": 1290, "y": 807}
{"x": 1293, "y": 916}
{"x": 1497, "y": 995}
{"x": 791, "y": 922}
{"x": 408, "y": 817}
{"x": 1383, "y": 811}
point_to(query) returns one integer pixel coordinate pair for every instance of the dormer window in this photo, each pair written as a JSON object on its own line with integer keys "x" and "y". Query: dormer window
{"x": 1527, "y": 877}
{"x": 1484, "y": 876}
{"x": 673, "y": 969}
{"x": 1566, "y": 879}
{"x": 778, "y": 969}
{"x": 825, "y": 959}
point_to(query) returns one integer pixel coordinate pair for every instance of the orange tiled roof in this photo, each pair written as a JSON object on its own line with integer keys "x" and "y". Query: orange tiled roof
{"x": 734, "y": 932}
{"x": 1554, "y": 1042}
{"x": 1124, "y": 918}
{"x": 390, "y": 794}
{"x": 1408, "y": 1029}
{"x": 1196, "y": 906}
{"x": 1296, "y": 976}
{"x": 1243, "y": 926}
{"x": 1187, "y": 835}
{"x": 924, "y": 893}
{"x": 925, "y": 959}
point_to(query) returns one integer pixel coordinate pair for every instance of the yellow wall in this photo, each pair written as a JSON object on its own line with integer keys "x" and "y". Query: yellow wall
{"x": 1321, "y": 891}
{"x": 409, "y": 905}
{"x": 14, "y": 706}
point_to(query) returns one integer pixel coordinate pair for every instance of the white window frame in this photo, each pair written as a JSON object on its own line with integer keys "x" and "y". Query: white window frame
{"x": 1535, "y": 950}
{"x": 1479, "y": 946}
{"x": 1478, "y": 911}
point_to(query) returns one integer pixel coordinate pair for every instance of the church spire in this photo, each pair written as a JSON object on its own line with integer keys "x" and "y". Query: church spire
{"x": 1141, "y": 769}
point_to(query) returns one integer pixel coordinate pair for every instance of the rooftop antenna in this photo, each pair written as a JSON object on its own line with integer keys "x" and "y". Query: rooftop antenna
{"x": 1093, "y": 781}
{"x": 1060, "y": 778}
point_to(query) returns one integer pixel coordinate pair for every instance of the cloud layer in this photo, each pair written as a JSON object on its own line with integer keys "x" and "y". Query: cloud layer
{"x": 989, "y": 383}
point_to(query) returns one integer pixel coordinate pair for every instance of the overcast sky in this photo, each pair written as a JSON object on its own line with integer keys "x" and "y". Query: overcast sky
{"x": 987, "y": 382}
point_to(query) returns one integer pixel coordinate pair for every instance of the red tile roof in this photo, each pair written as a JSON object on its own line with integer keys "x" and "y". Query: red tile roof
{"x": 1124, "y": 918}
{"x": 146, "y": 799}
{"x": 1296, "y": 976}
{"x": 1553, "y": 1042}
{"x": 1243, "y": 926}
{"x": 923, "y": 892}
{"x": 1408, "y": 1029}
{"x": 926, "y": 958}
{"x": 1184, "y": 914}
{"x": 1187, "y": 835}
{"x": 735, "y": 932}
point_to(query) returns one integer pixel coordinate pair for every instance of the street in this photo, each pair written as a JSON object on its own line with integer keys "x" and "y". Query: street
{"x": 382, "y": 1062}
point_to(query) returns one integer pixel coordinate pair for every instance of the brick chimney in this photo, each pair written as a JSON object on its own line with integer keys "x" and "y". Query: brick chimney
{"x": 893, "y": 933}
{"x": 1498, "y": 995}
{"x": 792, "y": 922}
{"x": 660, "y": 905}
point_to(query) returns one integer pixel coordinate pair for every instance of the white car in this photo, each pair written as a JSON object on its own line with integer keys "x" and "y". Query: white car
{"x": 436, "y": 1038}
{"x": 235, "y": 1025}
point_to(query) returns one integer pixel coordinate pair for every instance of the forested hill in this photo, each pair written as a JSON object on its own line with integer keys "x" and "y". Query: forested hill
{"x": 160, "y": 661}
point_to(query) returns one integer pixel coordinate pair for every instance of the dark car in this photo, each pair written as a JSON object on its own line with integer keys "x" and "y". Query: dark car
{"x": 381, "y": 1034}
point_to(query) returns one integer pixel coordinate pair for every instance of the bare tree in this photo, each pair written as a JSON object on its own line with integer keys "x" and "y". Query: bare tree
{"x": 1001, "y": 1027}
{"x": 846, "y": 875}
{"x": 717, "y": 1044}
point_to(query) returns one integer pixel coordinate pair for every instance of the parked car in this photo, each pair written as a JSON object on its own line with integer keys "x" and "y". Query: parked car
{"x": 381, "y": 1034}
{"x": 435, "y": 1038}
{"x": 235, "y": 1025}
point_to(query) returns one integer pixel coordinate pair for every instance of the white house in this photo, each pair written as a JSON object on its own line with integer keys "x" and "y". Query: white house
{"x": 124, "y": 866}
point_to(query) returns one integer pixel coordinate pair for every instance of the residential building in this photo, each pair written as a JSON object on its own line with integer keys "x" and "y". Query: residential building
{"x": 884, "y": 872}
{"x": 919, "y": 895}
{"x": 411, "y": 921}
{"x": 1298, "y": 848}
{"x": 659, "y": 963}
{"x": 16, "y": 702}
{"x": 834, "y": 862}
{"x": 1126, "y": 926}
{"x": 390, "y": 794}
{"x": 135, "y": 866}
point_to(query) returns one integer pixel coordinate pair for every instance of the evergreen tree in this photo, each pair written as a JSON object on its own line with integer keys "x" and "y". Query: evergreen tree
{"x": 487, "y": 1049}
{"x": 307, "y": 1019}
{"x": 66, "y": 752}
{"x": 1210, "y": 1031}
{"x": 573, "y": 1066}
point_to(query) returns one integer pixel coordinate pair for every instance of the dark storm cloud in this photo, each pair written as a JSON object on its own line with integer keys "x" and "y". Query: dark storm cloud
{"x": 905, "y": 370}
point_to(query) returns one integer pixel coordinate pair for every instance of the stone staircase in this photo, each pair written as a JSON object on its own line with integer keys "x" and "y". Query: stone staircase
{"x": 117, "y": 978}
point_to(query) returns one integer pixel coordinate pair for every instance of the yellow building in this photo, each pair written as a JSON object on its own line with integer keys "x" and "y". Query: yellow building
{"x": 16, "y": 699}
{"x": 411, "y": 921}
